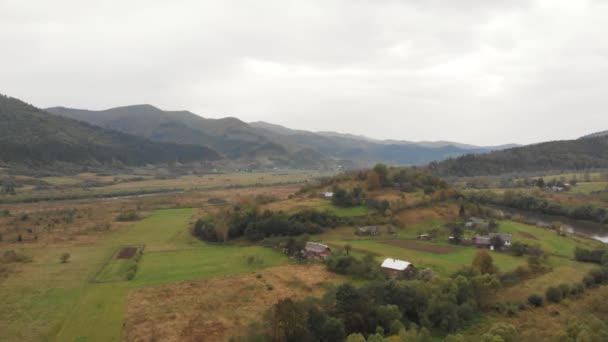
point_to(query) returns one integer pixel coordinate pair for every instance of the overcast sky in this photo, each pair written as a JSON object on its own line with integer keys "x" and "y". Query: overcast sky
{"x": 473, "y": 71}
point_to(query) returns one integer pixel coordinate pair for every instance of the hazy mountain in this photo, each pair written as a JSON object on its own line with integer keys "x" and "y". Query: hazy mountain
{"x": 581, "y": 154}
{"x": 229, "y": 136}
{"x": 272, "y": 144}
{"x": 433, "y": 144}
{"x": 31, "y": 134}
{"x": 595, "y": 135}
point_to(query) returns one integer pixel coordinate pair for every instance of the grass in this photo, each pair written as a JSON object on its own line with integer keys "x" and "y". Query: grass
{"x": 118, "y": 269}
{"x": 549, "y": 240}
{"x": 589, "y": 187}
{"x": 50, "y": 301}
{"x": 148, "y": 186}
{"x": 444, "y": 264}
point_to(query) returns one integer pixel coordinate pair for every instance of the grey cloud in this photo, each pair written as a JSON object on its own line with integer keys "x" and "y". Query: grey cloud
{"x": 483, "y": 72}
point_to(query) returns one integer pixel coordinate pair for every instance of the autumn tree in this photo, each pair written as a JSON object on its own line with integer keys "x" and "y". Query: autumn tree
{"x": 483, "y": 262}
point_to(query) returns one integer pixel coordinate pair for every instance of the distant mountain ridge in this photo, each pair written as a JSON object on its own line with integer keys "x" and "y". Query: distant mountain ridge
{"x": 595, "y": 135}
{"x": 436, "y": 144}
{"x": 265, "y": 143}
{"x": 563, "y": 155}
{"x": 29, "y": 134}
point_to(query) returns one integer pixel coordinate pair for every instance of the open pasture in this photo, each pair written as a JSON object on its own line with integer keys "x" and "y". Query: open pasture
{"x": 59, "y": 303}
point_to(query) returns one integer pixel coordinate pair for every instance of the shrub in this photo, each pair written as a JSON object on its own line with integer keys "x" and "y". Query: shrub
{"x": 64, "y": 257}
{"x": 535, "y": 300}
{"x": 588, "y": 281}
{"x": 553, "y": 294}
{"x": 577, "y": 288}
{"x": 565, "y": 288}
{"x": 131, "y": 271}
{"x": 128, "y": 215}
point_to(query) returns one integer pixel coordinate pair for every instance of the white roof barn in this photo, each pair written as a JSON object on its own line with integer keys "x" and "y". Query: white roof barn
{"x": 395, "y": 264}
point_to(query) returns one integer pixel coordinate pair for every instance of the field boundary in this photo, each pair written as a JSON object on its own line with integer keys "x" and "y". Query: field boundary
{"x": 94, "y": 280}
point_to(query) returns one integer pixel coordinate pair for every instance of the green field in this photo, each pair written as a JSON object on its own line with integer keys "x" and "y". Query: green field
{"x": 549, "y": 240}
{"x": 559, "y": 247}
{"x": 589, "y": 187}
{"x": 48, "y": 300}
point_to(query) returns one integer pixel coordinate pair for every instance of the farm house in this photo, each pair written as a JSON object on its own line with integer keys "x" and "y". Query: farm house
{"x": 393, "y": 267}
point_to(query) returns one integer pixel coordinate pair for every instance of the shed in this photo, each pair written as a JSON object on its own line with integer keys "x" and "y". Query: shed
{"x": 317, "y": 250}
{"x": 394, "y": 266}
{"x": 368, "y": 230}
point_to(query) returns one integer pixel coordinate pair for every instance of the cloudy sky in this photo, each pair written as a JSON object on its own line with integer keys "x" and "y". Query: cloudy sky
{"x": 473, "y": 71}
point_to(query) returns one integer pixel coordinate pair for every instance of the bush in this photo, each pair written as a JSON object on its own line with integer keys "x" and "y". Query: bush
{"x": 64, "y": 257}
{"x": 577, "y": 288}
{"x": 535, "y": 300}
{"x": 588, "y": 281}
{"x": 565, "y": 288}
{"x": 128, "y": 215}
{"x": 553, "y": 294}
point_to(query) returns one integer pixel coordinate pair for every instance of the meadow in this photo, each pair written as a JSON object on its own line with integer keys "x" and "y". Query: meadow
{"x": 61, "y": 302}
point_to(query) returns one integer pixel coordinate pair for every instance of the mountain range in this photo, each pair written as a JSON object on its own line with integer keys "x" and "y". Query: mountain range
{"x": 144, "y": 134}
{"x": 32, "y": 135}
{"x": 265, "y": 143}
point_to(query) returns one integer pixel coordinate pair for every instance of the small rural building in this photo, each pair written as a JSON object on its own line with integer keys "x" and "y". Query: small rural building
{"x": 391, "y": 230}
{"x": 315, "y": 250}
{"x": 368, "y": 230}
{"x": 393, "y": 267}
{"x": 542, "y": 224}
{"x": 481, "y": 240}
{"x": 426, "y": 237}
{"x": 326, "y": 194}
{"x": 506, "y": 238}
{"x": 474, "y": 222}
{"x": 486, "y": 240}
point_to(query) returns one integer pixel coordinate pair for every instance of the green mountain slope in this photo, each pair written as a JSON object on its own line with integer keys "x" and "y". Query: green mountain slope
{"x": 31, "y": 134}
{"x": 229, "y": 136}
{"x": 272, "y": 144}
{"x": 563, "y": 155}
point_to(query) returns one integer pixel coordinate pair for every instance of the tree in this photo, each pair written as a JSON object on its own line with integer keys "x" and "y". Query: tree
{"x": 347, "y": 248}
{"x": 507, "y": 332}
{"x": 387, "y": 314}
{"x": 355, "y": 338}
{"x": 333, "y": 330}
{"x": 372, "y": 180}
{"x": 553, "y": 294}
{"x": 382, "y": 171}
{"x": 535, "y": 300}
{"x": 457, "y": 233}
{"x": 461, "y": 212}
{"x": 540, "y": 183}
{"x": 64, "y": 257}
{"x": 483, "y": 262}
{"x": 518, "y": 248}
{"x": 497, "y": 241}
{"x": 288, "y": 321}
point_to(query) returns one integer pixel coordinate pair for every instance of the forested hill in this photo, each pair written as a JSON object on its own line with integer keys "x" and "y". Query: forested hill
{"x": 31, "y": 134}
{"x": 563, "y": 155}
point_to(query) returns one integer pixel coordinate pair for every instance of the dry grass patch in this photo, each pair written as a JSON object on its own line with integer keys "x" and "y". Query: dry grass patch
{"x": 216, "y": 309}
{"x": 441, "y": 212}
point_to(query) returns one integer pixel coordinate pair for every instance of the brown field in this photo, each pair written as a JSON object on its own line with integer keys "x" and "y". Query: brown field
{"x": 216, "y": 309}
{"x": 126, "y": 253}
{"x": 93, "y": 218}
{"x": 409, "y": 244}
{"x": 527, "y": 235}
{"x": 441, "y": 212}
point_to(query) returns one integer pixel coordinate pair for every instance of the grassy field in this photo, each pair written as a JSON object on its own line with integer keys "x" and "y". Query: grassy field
{"x": 77, "y": 187}
{"x": 48, "y": 300}
{"x": 589, "y": 187}
{"x": 549, "y": 240}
